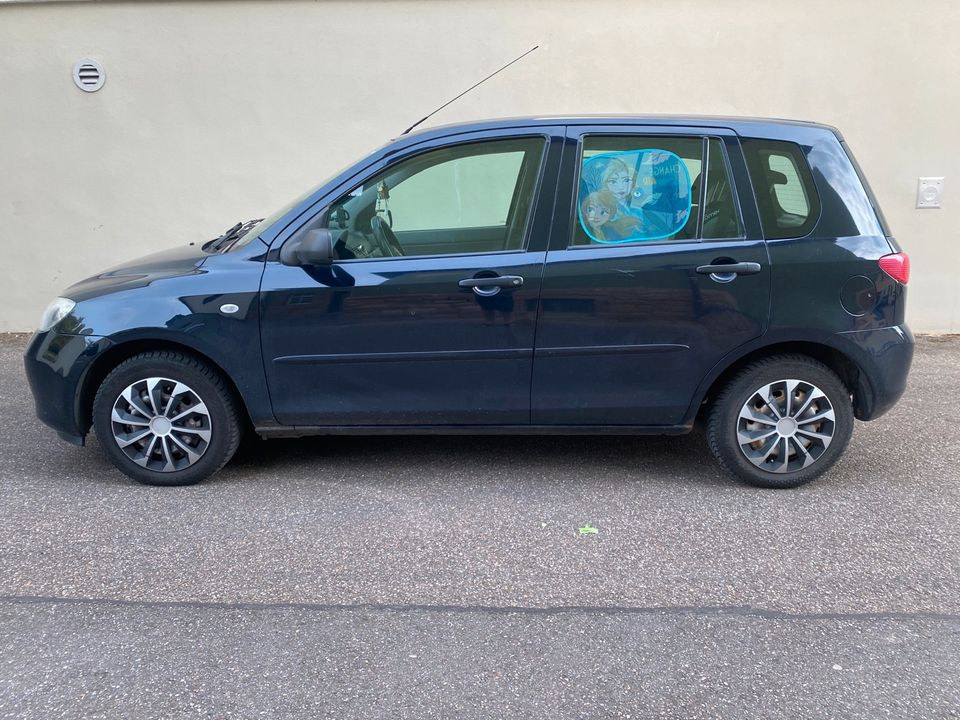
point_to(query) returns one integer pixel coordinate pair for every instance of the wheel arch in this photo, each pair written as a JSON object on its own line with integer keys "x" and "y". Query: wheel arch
{"x": 839, "y": 362}
{"x": 122, "y": 351}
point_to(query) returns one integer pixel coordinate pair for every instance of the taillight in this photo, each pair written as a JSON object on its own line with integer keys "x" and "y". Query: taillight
{"x": 896, "y": 266}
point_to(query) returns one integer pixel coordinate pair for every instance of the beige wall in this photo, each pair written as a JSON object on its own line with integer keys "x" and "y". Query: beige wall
{"x": 217, "y": 111}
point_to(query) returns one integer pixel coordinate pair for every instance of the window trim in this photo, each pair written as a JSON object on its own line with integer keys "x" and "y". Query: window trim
{"x": 704, "y": 179}
{"x": 704, "y": 159}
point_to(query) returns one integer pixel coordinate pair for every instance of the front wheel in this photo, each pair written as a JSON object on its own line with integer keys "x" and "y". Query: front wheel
{"x": 165, "y": 418}
{"x": 781, "y": 421}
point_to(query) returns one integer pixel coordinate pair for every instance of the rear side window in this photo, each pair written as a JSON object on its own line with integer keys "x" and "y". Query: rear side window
{"x": 721, "y": 219}
{"x": 636, "y": 189}
{"x": 786, "y": 196}
{"x": 644, "y": 188}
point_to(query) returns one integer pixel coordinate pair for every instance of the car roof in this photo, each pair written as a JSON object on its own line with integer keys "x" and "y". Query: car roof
{"x": 751, "y": 126}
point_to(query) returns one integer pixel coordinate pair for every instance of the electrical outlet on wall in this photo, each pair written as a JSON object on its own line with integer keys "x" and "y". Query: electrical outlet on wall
{"x": 929, "y": 192}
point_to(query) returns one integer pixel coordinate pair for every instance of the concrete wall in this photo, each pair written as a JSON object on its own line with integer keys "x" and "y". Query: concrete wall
{"x": 217, "y": 111}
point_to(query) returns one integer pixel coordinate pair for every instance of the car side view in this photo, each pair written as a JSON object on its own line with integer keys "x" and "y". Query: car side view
{"x": 562, "y": 275}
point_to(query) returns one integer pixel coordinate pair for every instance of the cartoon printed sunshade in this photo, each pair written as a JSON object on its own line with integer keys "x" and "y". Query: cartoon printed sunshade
{"x": 634, "y": 195}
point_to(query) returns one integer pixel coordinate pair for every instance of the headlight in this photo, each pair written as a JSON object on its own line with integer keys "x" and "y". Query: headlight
{"x": 55, "y": 312}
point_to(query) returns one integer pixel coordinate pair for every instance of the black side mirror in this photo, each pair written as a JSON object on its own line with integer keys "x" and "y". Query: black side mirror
{"x": 315, "y": 248}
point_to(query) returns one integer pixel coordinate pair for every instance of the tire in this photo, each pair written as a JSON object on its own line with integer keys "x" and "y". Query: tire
{"x": 756, "y": 404}
{"x": 194, "y": 433}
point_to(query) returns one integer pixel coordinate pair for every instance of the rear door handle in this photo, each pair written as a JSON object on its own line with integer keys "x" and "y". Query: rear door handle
{"x": 491, "y": 285}
{"x": 741, "y": 268}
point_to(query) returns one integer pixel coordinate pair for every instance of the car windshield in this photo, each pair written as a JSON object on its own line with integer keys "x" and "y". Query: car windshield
{"x": 256, "y": 230}
{"x": 273, "y": 217}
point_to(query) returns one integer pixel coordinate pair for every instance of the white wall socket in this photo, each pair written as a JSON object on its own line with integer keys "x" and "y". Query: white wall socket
{"x": 929, "y": 192}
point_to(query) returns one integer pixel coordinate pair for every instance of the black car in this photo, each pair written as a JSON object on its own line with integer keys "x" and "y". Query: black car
{"x": 581, "y": 275}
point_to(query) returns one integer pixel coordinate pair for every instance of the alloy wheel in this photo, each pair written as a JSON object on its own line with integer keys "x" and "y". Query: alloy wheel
{"x": 161, "y": 424}
{"x": 785, "y": 426}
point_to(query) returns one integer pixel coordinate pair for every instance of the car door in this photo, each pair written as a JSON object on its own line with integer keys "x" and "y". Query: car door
{"x": 427, "y": 314}
{"x": 630, "y": 323}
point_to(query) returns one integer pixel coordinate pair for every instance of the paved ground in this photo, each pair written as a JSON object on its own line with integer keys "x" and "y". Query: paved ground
{"x": 426, "y": 577}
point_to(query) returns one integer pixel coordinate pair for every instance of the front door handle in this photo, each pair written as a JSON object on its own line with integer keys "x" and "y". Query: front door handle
{"x": 487, "y": 286}
{"x": 740, "y": 268}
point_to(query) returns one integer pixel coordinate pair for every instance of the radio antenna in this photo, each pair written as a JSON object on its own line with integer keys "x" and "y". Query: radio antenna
{"x": 469, "y": 89}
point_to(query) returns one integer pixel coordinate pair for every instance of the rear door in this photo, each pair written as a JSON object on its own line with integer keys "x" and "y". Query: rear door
{"x": 427, "y": 316}
{"x": 632, "y": 314}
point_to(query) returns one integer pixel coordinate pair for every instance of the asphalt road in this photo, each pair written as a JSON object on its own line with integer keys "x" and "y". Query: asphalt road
{"x": 445, "y": 577}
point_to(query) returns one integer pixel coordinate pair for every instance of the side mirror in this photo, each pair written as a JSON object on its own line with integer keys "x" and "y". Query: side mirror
{"x": 315, "y": 248}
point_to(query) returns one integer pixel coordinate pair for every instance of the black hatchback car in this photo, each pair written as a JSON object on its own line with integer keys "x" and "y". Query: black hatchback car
{"x": 597, "y": 275}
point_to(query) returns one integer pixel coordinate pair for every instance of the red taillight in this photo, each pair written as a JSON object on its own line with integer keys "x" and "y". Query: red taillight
{"x": 896, "y": 266}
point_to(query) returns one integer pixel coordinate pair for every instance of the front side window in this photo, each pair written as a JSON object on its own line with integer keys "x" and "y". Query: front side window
{"x": 472, "y": 198}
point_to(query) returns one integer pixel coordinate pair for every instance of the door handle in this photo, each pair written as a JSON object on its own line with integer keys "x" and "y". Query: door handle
{"x": 487, "y": 286}
{"x": 740, "y": 268}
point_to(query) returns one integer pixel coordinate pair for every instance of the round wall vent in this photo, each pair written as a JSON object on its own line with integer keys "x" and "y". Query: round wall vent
{"x": 89, "y": 75}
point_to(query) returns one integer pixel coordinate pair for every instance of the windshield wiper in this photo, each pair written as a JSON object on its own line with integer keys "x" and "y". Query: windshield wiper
{"x": 230, "y": 236}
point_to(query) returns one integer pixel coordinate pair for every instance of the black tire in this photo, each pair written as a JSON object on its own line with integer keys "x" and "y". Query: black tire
{"x": 218, "y": 422}
{"x": 724, "y": 420}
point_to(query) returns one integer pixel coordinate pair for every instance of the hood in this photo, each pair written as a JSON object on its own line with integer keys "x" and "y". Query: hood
{"x": 141, "y": 272}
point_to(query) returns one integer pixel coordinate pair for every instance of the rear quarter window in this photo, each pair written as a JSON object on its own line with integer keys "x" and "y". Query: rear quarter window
{"x": 786, "y": 195}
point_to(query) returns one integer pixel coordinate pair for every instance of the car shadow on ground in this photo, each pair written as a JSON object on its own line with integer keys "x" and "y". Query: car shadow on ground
{"x": 617, "y": 459}
{"x": 684, "y": 457}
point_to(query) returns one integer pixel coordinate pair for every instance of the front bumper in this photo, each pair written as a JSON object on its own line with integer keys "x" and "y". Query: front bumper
{"x": 884, "y": 356}
{"x": 56, "y": 365}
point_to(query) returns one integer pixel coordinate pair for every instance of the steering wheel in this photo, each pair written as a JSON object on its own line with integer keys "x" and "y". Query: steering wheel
{"x": 385, "y": 238}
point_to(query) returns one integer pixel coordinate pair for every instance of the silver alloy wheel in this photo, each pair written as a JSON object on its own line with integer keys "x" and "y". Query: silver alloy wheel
{"x": 785, "y": 426}
{"x": 161, "y": 424}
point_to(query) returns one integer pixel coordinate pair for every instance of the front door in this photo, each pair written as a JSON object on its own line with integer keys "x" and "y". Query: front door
{"x": 632, "y": 316}
{"x": 427, "y": 315}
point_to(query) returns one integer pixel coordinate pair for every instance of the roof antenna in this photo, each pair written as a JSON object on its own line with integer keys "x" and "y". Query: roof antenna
{"x": 469, "y": 89}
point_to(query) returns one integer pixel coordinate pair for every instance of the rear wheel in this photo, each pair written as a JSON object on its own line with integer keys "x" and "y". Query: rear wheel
{"x": 781, "y": 421}
{"x": 165, "y": 418}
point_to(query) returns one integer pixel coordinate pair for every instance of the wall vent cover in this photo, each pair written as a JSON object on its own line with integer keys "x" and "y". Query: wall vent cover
{"x": 89, "y": 75}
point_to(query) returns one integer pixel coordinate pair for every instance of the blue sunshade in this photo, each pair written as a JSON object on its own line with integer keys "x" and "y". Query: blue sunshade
{"x": 633, "y": 195}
